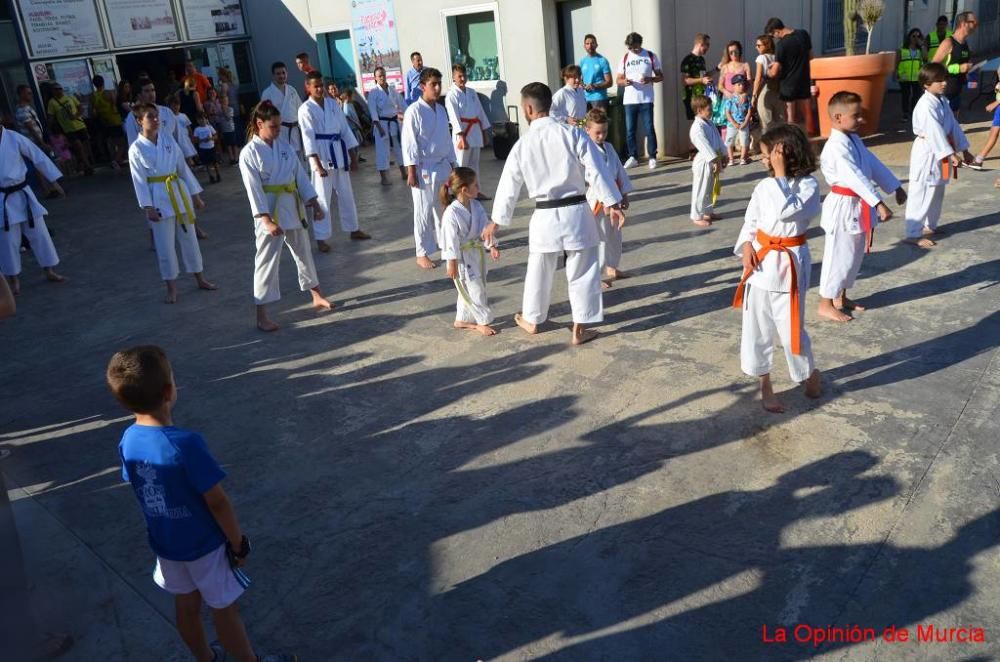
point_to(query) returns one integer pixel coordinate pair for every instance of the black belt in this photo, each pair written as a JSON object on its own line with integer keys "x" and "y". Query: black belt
{"x": 390, "y": 120}
{"x": 562, "y": 202}
{"x": 290, "y": 126}
{"x": 6, "y": 191}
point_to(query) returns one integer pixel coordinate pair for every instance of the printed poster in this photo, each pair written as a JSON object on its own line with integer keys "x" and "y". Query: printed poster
{"x": 373, "y": 25}
{"x": 209, "y": 19}
{"x": 74, "y": 76}
{"x": 141, "y": 22}
{"x": 61, "y": 27}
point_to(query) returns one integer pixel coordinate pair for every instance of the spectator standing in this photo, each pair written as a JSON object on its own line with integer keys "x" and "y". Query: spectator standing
{"x": 64, "y": 111}
{"x": 954, "y": 54}
{"x": 694, "y": 72}
{"x": 792, "y": 53}
{"x": 27, "y": 120}
{"x": 190, "y": 102}
{"x": 596, "y": 75}
{"x": 411, "y": 87}
{"x": 110, "y": 123}
{"x": 732, "y": 65}
{"x": 639, "y": 69}
{"x": 229, "y": 89}
{"x": 303, "y": 65}
{"x": 909, "y": 59}
{"x": 770, "y": 108}
{"x": 125, "y": 98}
{"x": 936, "y": 36}
{"x": 201, "y": 82}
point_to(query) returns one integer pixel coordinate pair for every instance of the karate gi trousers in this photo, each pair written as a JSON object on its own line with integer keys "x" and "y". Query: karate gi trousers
{"x": 583, "y": 273}
{"x": 923, "y": 209}
{"x": 473, "y": 306}
{"x": 842, "y": 256}
{"x": 468, "y": 158}
{"x": 41, "y": 246}
{"x": 766, "y": 313}
{"x": 266, "y": 287}
{"x": 610, "y": 254}
{"x": 383, "y": 148}
{"x": 427, "y": 209}
{"x": 339, "y": 182}
{"x": 701, "y": 189}
{"x": 167, "y": 235}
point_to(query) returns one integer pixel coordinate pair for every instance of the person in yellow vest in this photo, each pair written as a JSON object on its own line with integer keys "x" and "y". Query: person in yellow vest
{"x": 64, "y": 113}
{"x": 909, "y": 59}
{"x": 939, "y": 34}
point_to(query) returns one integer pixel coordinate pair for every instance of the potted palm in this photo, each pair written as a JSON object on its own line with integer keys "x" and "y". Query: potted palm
{"x": 864, "y": 74}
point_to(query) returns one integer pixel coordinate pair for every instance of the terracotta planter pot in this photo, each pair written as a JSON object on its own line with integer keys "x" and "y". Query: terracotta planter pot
{"x": 863, "y": 74}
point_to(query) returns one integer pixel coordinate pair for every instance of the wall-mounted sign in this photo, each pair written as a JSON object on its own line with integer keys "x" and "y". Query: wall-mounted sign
{"x": 61, "y": 27}
{"x": 141, "y": 22}
{"x": 374, "y": 31}
{"x": 209, "y": 19}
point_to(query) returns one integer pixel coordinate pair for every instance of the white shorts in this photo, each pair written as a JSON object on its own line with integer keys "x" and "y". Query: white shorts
{"x": 210, "y": 575}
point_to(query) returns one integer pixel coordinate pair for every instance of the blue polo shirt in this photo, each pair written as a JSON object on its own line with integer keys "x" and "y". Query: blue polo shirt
{"x": 594, "y": 68}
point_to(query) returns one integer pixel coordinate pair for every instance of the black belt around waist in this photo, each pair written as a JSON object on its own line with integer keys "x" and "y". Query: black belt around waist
{"x": 562, "y": 202}
{"x": 289, "y": 124}
{"x": 6, "y": 192}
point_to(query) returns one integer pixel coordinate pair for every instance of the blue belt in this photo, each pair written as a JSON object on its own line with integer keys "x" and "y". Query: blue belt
{"x": 335, "y": 138}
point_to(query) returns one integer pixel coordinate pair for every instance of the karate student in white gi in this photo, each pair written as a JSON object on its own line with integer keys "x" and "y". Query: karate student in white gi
{"x": 166, "y": 188}
{"x": 853, "y": 209}
{"x": 939, "y": 149}
{"x": 428, "y": 157}
{"x": 706, "y": 168}
{"x": 468, "y": 120}
{"x": 20, "y": 211}
{"x": 611, "y": 237}
{"x": 386, "y": 109}
{"x": 286, "y": 99}
{"x": 569, "y": 102}
{"x": 183, "y": 133}
{"x": 331, "y": 149}
{"x": 556, "y": 162}
{"x": 464, "y": 250}
{"x": 776, "y": 264}
{"x": 277, "y": 186}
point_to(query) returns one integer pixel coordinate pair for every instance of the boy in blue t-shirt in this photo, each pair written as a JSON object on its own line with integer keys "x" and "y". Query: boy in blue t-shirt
{"x": 738, "y": 116}
{"x": 191, "y": 523}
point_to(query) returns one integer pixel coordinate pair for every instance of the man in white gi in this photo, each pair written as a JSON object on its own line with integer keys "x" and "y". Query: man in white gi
{"x": 939, "y": 148}
{"x": 468, "y": 120}
{"x": 557, "y": 162}
{"x": 849, "y": 212}
{"x": 287, "y": 100}
{"x": 386, "y": 109}
{"x": 331, "y": 148}
{"x": 20, "y": 211}
{"x": 428, "y": 157}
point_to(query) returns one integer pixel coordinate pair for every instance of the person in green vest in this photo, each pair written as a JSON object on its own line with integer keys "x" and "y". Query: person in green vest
{"x": 909, "y": 59}
{"x": 939, "y": 34}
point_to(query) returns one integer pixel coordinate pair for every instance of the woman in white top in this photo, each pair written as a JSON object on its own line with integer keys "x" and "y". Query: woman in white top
{"x": 770, "y": 108}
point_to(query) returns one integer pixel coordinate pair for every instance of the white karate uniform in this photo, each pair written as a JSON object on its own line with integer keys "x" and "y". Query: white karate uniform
{"x": 334, "y": 155}
{"x": 277, "y": 164}
{"x": 464, "y": 104}
{"x": 568, "y": 102}
{"x": 168, "y": 125}
{"x": 706, "y": 139}
{"x": 184, "y": 136}
{"x": 461, "y": 230}
{"x": 385, "y": 108}
{"x": 938, "y": 135}
{"x": 427, "y": 145}
{"x": 148, "y": 159}
{"x": 780, "y": 208}
{"x": 610, "y": 254}
{"x": 288, "y": 102}
{"x": 846, "y": 162}
{"x": 556, "y": 162}
{"x": 20, "y": 211}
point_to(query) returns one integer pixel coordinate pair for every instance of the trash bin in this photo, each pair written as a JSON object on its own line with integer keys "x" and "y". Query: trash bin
{"x": 616, "y": 124}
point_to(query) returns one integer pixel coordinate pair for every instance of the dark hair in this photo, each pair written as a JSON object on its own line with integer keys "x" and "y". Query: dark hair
{"x": 459, "y": 177}
{"x": 142, "y": 108}
{"x": 571, "y": 71}
{"x": 277, "y": 65}
{"x": 313, "y": 75}
{"x": 700, "y": 102}
{"x": 589, "y": 36}
{"x": 427, "y": 73}
{"x": 144, "y": 81}
{"x": 841, "y": 99}
{"x": 906, "y": 39}
{"x": 199, "y": 116}
{"x": 940, "y": 18}
{"x": 633, "y": 39}
{"x": 302, "y": 56}
{"x": 773, "y": 23}
{"x": 596, "y": 116}
{"x": 932, "y": 72}
{"x": 458, "y": 67}
{"x": 20, "y": 88}
{"x": 539, "y": 95}
{"x": 265, "y": 111}
{"x": 377, "y": 69}
{"x": 768, "y": 42}
{"x": 415, "y": 54}
{"x": 799, "y": 158}
{"x": 98, "y": 81}
{"x": 139, "y": 377}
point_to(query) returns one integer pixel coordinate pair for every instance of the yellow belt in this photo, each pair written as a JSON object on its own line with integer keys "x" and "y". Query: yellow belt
{"x": 717, "y": 182}
{"x": 187, "y": 218}
{"x": 292, "y": 189}
{"x": 469, "y": 245}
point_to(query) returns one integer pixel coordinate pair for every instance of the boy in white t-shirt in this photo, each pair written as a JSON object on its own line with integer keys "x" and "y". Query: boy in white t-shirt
{"x": 205, "y": 136}
{"x": 637, "y": 72}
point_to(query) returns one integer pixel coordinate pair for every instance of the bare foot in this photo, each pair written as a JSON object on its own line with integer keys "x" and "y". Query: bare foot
{"x": 582, "y": 335}
{"x": 170, "y": 298}
{"x": 360, "y": 235}
{"x": 267, "y": 325}
{"x": 53, "y": 277}
{"x": 920, "y": 242}
{"x": 814, "y": 386}
{"x": 617, "y": 274}
{"x": 605, "y": 285}
{"x": 715, "y": 217}
{"x": 424, "y": 262}
{"x": 703, "y": 222}
{"x": 198, "y": 232}
{"x": 848, "y": 304}
{"x": 524, "y": 324}
{"x": 322, "y": 246}
{"x": 827, "y": 310}
{"x": 768, "y": 400}
{"x": 205, "y": 285}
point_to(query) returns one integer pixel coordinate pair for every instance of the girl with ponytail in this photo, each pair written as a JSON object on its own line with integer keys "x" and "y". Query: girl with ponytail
{"x": 462, "y": 226}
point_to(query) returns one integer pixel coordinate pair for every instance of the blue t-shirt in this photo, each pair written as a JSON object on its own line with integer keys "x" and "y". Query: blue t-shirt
{"x": 736, "y": 108}
{"x": 594, "y": 68}
{"x": 170, "y": 469}
{"x": 996, "y": 116}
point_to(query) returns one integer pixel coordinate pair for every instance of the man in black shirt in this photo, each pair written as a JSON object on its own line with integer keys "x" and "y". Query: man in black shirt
{"x": 954, "y": 54}
{"x": 792, "y": 52}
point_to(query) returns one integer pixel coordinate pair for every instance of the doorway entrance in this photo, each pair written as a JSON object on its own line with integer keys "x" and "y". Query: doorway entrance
{"x": 574, "y": 23}
{"x": 336, "y": 57}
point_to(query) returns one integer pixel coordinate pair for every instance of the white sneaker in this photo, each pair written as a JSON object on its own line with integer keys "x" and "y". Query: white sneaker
{"x": 630, "y": 163}
{"x": 652, "y": 164}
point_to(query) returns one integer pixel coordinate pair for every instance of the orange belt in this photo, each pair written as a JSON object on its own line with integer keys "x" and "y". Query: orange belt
{"x": 599, "y": 207}
{"x": 867, "y": 215}
{"x": 947, "y": 172}
{"x": 768, "y": 244}
{"x": 469, "y": 122}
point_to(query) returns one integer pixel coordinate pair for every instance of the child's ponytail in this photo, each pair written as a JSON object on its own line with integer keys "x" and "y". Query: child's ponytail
{"x": 264, "y": 111}
{"x": 460, "y": 177}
